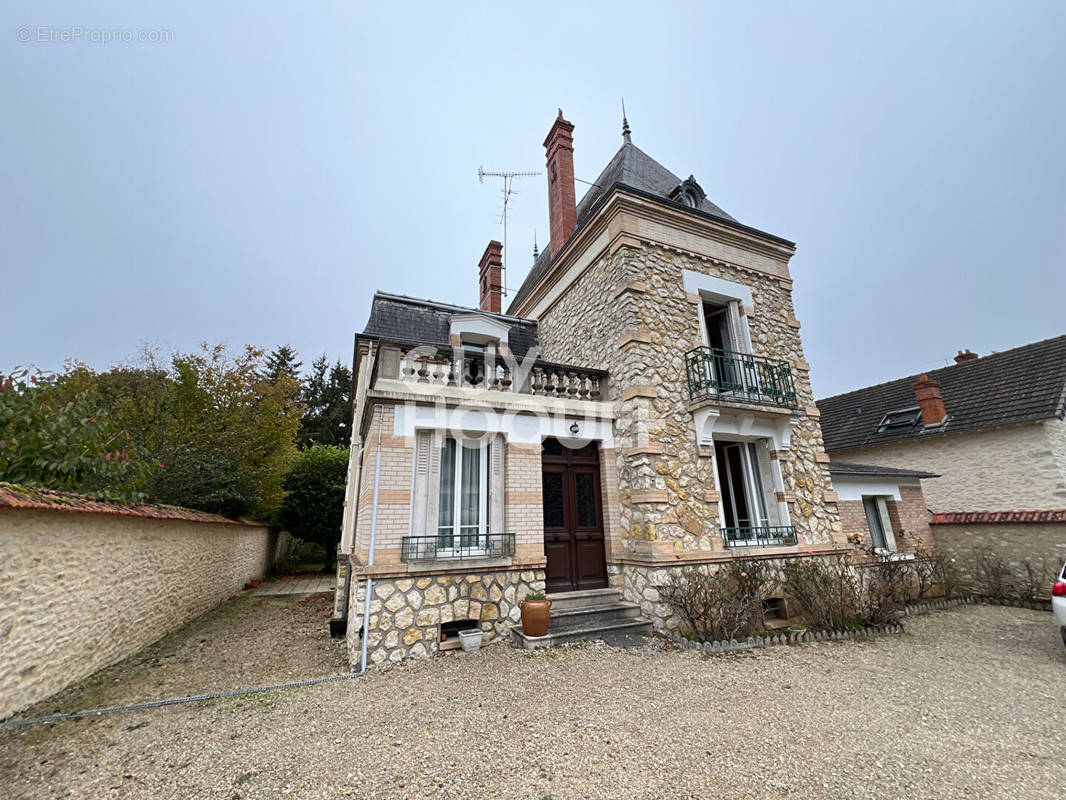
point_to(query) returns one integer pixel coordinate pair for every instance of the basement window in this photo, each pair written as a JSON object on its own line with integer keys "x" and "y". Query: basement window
{"x": 896, "y": 420}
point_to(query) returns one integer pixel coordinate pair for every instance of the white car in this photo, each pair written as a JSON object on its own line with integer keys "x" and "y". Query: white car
{"x": 1058, "y": 602}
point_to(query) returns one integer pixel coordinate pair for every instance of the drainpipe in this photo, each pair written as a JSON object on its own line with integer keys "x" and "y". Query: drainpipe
{"x": 373, "y": 537}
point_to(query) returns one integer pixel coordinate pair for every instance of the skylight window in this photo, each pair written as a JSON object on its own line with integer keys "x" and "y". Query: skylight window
{"x": 896, "y": 420}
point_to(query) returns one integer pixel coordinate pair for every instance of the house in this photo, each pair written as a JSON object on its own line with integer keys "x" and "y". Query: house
{"x": 642, "y": 406}
{"x": 992, "y": 428}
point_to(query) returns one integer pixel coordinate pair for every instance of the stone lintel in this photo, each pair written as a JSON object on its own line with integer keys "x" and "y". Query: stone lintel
{"x": 635, "y": 287}
{"x": 633, "y": 337}
{"x": 639, "y": 391}
{"x": 644, "y": 450}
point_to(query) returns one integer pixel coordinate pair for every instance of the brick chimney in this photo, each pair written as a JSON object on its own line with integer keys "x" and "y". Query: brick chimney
{"x": 562, "y": 207}
{"x": 965, "y": 355}
{"x": 929, "y": 400}
{"x": 490, "y": 277}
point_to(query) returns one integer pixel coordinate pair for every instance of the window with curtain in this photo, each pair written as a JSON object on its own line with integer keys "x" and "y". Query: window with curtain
{"x": 461, "y": 516}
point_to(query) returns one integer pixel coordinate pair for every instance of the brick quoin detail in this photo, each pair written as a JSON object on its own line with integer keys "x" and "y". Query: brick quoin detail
{"x": 490, "y": 277}
{"x": 562, "y": 206}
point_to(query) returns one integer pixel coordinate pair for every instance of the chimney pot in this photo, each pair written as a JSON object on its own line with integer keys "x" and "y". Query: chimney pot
{"x": 562, "y": 205}
{"x": 965, "y": 355}
{"x": 490, "y": 277}
{"x": 930, "y": 402}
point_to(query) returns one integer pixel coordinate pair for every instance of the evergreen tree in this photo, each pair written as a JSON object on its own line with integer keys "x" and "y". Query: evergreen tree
{"x": 327, "y": 397}
{"x": 281, "y": 361}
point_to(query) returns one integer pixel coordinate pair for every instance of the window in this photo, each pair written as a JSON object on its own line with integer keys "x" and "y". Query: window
{"x": 461, "y": 514}
{"x": 691, "y": 199}
{"x": 741, "y": 485}
{"x": 895, "y": 420}
{"x": 879, "y": 522}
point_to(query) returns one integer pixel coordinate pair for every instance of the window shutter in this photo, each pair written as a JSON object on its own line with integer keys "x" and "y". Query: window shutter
{"x": 497, "y": 457}
{"x": 886, "y": 525}
{"x": 736, "y": 333}
{"x": 420, "y": 491}
{"x": 430, "y": 519}
{"x": 769, "y": 487}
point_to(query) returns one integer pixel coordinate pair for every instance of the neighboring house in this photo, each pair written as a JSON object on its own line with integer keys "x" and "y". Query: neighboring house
{"x": 992, "y": 427}
{"x": 882, "y": 508}
{"x": 643, "y": 406}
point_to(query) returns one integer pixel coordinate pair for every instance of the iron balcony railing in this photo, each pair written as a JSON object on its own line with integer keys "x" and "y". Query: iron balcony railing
{"x": 458, "y": 546}
{"x": 739, "y": 377}
{"x": 759, "y": 536}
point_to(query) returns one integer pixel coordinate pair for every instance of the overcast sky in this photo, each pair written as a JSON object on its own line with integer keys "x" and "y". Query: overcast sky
{"x": 258, "y": 176}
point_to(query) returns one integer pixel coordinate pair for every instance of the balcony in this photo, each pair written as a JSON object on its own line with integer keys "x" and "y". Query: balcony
{"x": 436, "y": 368}
{"x": 456, "y": 547}
{"x": 760, "y": 536}
{"x": 739, "y": 377}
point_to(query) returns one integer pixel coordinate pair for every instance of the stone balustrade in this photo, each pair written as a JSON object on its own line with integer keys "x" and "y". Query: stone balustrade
{"x": 469, "y": 369}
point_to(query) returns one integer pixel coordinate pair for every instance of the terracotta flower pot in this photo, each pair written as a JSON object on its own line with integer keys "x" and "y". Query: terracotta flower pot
{"x": 535, "y": 617}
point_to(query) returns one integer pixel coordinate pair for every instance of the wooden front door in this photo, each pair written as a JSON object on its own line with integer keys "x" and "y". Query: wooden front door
{"x": 573, "y": 517}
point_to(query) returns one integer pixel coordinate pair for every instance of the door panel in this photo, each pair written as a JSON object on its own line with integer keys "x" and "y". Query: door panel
{"x": 573, "y": 518}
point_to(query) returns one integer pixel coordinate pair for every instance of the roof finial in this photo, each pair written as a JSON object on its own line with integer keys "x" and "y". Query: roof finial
{"x": 625, "y": 124}
{"x": 535, "y": 253}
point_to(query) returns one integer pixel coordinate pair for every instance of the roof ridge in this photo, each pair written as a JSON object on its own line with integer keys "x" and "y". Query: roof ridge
{"x": 931, "y": 373}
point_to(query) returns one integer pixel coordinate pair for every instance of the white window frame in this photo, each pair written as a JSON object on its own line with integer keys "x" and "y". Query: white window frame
{"x": 881, "y": 504}
{"x": 753, "y": 485}
{"x": 482, "y": 449}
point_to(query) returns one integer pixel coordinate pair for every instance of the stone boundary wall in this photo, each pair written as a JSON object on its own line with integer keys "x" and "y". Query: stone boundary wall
{"x": 1041, "y": 544}
{"x": 81, "y": 590}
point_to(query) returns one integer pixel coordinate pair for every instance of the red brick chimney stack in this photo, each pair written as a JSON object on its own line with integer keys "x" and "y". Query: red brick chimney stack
{"x": 929, "y": 400}
{"x": 965, "y": 355}
{"x": 562, "y": 207}
{"x": 490, "y": 277}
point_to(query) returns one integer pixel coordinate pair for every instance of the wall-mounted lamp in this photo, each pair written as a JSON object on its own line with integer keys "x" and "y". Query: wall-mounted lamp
{"x": 574, "y": 428}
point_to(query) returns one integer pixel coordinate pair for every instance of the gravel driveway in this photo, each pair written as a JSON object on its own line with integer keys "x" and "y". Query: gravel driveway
{"x": 965, "y": 705}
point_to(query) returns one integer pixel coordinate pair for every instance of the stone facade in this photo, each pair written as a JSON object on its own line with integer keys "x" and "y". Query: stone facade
{"x": 80, "y": 591}
{"x": 1019, "y": 467}
{"x": 406, "y": 614}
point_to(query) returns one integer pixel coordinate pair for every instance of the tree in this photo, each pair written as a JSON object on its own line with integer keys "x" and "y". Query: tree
{"x": 57, "y": 436}
{"x": 281, "y": 361}
{"x": 314, "y": 504}
{"x": 327, "y": 398}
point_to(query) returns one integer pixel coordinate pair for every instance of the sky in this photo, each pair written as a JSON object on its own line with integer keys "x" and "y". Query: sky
{"x": 253, "y": 172}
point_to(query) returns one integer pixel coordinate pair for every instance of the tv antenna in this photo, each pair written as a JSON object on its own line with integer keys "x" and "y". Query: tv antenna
{"x": 508, "y": 191}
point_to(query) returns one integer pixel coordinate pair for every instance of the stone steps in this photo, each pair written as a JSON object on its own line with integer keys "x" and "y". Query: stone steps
{"x": 584, "y": 615}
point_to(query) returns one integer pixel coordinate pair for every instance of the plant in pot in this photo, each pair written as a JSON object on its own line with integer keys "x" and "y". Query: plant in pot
{"x": 535, "y": 607}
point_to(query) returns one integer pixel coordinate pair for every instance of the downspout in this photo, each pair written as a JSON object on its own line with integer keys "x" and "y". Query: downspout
{"x": 373, "y": 537}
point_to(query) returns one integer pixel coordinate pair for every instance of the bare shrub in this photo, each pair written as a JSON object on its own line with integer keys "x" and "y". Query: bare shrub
{"x": 723, "y": 604}
{"x": 828, "y": 590}
{"x": 991, "y": 575}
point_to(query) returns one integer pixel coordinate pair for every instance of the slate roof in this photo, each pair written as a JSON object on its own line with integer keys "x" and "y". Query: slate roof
{"x": 409, "y": 319}
{"x": 630, "y": 167}
{"x": 1026, "y": 384}
{"x": 848, "y": 468}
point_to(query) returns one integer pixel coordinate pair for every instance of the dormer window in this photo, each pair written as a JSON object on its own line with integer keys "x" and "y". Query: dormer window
{"x": 688, "y": 193}
{"x": 897, "y": 420}
{"x": 479, "y": 332}
{"x": 691, "y": 200}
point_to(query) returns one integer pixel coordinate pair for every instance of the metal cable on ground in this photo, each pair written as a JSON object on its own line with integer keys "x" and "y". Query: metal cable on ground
{"x": 173, "y": 701}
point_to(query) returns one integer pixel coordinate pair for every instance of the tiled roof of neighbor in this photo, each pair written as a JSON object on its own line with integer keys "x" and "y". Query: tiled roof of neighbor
{"x": 15, "y": 496}
{"x": 409, "y": 319}
{"x": 847, "y": 468}
{"x": 1025, "y": 384}
{"x": 630, "y": 167}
